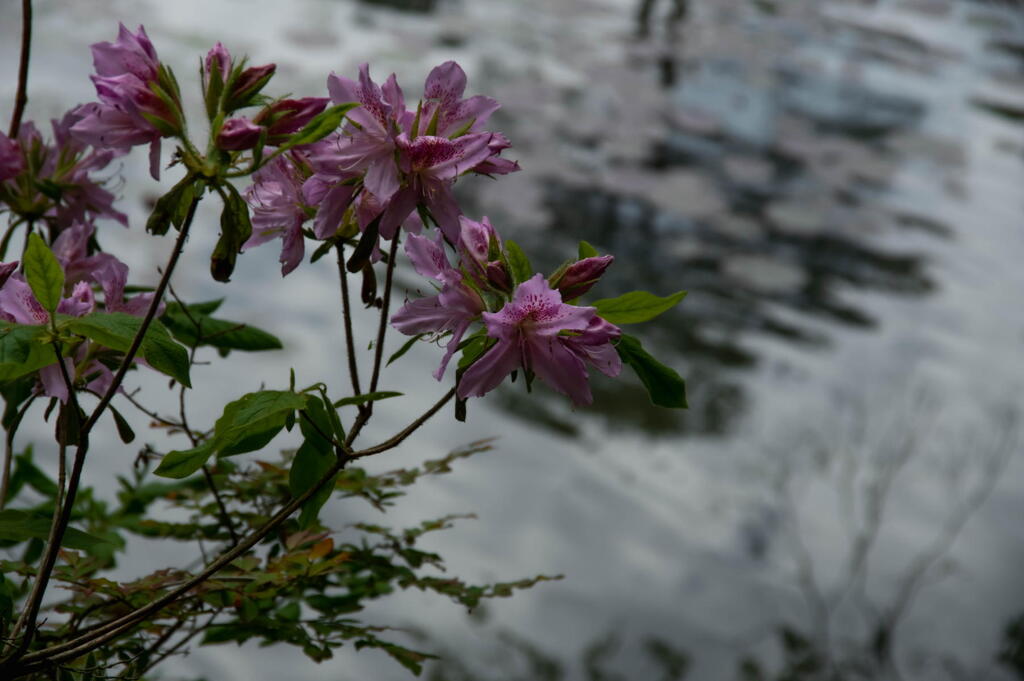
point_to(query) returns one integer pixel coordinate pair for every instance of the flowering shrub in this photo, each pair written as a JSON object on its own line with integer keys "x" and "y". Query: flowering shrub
{"x": 349, "y": 173}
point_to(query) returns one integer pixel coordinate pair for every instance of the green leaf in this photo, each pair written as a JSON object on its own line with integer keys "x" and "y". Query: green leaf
{"x": 367, "y": 397}
{"x": 22, "y": 351}
{"x": 21, "y": 526}
{"x": 314, "y": 458}
{"x": 116, "y": 330}
{"x": 235, "y": 230}
{"x": 218, "y": 333}
{"x": 43, "y": 273}
{"x": 323, "y": 125}
{"x": 665, "y": 387}
{"x": 247, "y": 424}
{"x": 172, "y": 207}
{"x": 181, "y": 464}
{"x": 405, "y": 348}
{"x": 587, "y": 251}
{"x": 636, "y": 306}
{"x": 519, "y": 264}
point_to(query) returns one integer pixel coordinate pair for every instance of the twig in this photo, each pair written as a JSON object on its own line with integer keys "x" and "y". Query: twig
{"x": 378, "y": 350}
{"x": 21, "y": 97}
{"x": 9, "y": 451}
{"x": 397, "y": 439}
{"x": 353, "y": 367}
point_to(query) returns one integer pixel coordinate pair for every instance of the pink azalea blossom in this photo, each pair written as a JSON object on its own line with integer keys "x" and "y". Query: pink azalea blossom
{"x": 430, "y": 165}
{"x": 454, "y": 309}
{"x": 279, "y": 210}
{"x": 442, "y": 95}
{"x": 537, "y": 332}
{"x": 130, "y": 112}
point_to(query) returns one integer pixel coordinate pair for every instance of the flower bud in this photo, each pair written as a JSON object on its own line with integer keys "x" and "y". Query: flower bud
{"x": 287, "y": 116}
{"x": 581, "y": 276}
{"x": 498, "y": 277}
{"x": 246, "y": 85}
{"x": 238, "y": 134}
{"x": 218, "y": 60}
{"x": 216, "y": 70}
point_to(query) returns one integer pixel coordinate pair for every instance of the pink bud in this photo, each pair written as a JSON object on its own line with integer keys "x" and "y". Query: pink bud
{"x": 218, "y": 59}
{"x": 11, "y": 162}
{"x": 248, "y": 85}
{"x": 238, "y": 134}
{"x": 287, "y": 116}
{"x": 581, "y": 276}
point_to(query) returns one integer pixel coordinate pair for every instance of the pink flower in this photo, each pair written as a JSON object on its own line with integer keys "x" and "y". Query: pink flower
{"x": 537, "y": 332}
{"x": 442, "y": 94}
{"x": 130, "y": 112}
{"x": 454, "y": 309}
{"x": 279, "y": 210}
{"x": 430, "y": 165}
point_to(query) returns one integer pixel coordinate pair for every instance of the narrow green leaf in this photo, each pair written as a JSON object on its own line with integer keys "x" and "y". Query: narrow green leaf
{"x": 519, "y": 264}
{"x": 587, "y": 251}
{"x": 310, "y": 464}
{"x": 321, "y": 126}
{"x": 43, "y": 273}
{"x": 364, "y": 248}
{"x": 636, "y": 306}
{"x": 405, "y": 348}
{"x": 664, "y": 385}
{"x": 367, "y": 397}
{"x": 181, "y": 464}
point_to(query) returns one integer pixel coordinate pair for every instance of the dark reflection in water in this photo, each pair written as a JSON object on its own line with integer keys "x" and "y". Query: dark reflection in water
{"x": 761, "y": 201}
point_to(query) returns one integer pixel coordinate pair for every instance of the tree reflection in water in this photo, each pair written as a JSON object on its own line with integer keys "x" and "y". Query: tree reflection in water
{"x": 846, "y": 622}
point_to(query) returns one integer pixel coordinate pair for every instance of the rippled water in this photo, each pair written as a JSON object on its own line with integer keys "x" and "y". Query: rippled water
{"x": 837, "y": 184}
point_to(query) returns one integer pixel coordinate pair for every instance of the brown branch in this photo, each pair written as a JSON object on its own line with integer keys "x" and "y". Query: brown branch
{"x": 346, "y": 309}
{"x": 378, "y": 350}
{"x": 21, "y": 97}
{"x": 397, "y": 439}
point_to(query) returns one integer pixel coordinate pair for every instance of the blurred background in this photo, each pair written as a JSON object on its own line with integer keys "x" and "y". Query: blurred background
{"x": 839, "y": 186}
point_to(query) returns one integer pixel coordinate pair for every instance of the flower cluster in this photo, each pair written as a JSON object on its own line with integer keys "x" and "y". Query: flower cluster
{"x": 527, "y": 324}
{"x": 354, "y": 167}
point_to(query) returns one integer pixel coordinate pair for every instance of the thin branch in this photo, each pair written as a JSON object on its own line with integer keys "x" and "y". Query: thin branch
{"x": 378, "y": 350}
{"x": 397, "y": 439}
{"x": 220, "y": 504}
{"x": 346, "y": 308}
{"x": 5, "y": 484}
{"x": 158, "y": 294}
{"x": 21, "y": 97}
